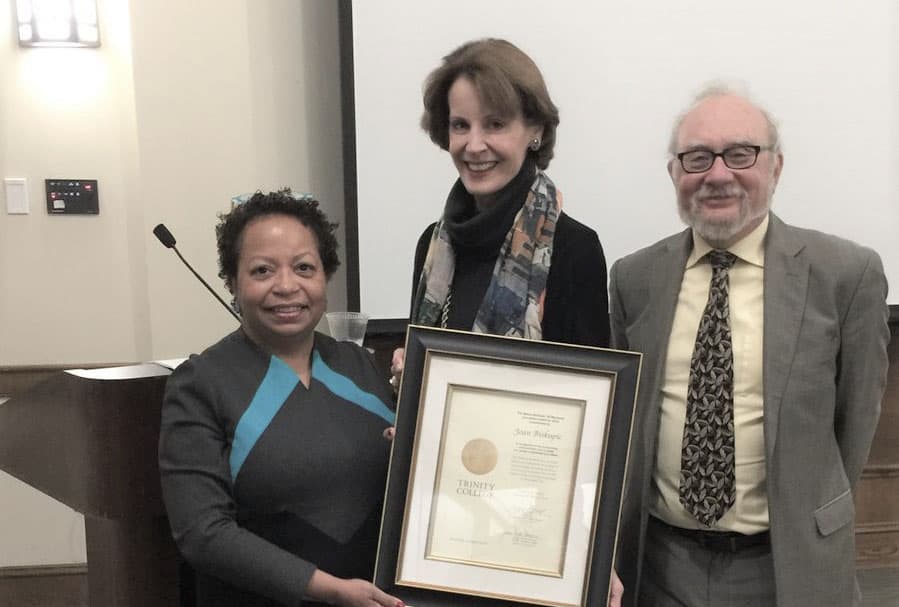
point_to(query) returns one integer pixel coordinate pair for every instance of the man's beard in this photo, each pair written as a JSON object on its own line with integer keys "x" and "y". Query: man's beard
{"x": 719, "y": 232}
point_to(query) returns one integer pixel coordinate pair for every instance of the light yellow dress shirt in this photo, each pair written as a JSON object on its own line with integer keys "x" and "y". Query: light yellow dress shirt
{"x": 746, "y": 297}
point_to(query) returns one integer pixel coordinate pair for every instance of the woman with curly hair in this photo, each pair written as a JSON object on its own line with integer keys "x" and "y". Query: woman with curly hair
{"x": 271, "y": 452}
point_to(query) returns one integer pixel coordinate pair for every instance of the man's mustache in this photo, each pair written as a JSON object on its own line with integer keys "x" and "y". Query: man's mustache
{"x": 707, "y": 191}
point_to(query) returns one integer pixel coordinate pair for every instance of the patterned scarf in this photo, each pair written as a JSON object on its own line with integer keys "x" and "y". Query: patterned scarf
{"x": 513, "y": 303}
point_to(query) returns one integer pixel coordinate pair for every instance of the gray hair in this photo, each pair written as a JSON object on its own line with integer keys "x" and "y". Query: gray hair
{"x": 717, "y": 89}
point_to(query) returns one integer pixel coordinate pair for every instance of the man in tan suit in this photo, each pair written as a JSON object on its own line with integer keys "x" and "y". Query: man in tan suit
{"x": 750, "y": 501}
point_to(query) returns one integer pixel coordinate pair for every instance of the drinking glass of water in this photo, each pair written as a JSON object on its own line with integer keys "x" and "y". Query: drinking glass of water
{"x": 347, "y": 326}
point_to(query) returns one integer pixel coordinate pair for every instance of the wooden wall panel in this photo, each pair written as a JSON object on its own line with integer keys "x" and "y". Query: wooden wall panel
{"x": 44, "y": 586}
{"x": 877, "y": 494}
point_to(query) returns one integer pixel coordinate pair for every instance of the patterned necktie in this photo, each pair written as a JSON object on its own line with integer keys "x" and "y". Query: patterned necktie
{"x": 707, "y": 486}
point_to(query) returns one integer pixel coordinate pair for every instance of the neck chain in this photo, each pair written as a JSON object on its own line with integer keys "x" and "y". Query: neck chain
{"x": 444, "y": 312}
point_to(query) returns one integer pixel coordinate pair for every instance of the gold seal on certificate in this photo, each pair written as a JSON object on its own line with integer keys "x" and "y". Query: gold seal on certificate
{"x": 479, "y": 456}
{"x": 505, "y": 480}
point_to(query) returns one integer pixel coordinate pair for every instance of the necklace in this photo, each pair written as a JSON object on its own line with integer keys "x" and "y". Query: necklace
{"x": 444, "y": 312}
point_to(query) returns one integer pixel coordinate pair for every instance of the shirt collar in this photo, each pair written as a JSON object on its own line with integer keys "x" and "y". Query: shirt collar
{"x": 750, "y": 248}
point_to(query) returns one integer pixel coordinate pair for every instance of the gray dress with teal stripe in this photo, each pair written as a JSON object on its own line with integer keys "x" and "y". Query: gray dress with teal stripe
{"x": 263, "y": 479}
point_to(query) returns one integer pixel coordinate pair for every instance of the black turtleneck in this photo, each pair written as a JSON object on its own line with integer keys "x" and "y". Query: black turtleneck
{"x": 576, "y": 306}
{"x": 477, "y": 236}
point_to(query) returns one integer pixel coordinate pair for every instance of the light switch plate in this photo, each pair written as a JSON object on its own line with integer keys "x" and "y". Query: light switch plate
{"x": 16, "y": 195}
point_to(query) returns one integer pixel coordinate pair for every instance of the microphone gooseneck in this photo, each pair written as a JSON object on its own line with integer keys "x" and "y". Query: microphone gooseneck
{"x": 168, "y": 240}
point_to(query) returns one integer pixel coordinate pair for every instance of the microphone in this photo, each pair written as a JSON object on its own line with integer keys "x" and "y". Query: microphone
{"x": 168, "y": 240}
{"x": 164, "y": 236}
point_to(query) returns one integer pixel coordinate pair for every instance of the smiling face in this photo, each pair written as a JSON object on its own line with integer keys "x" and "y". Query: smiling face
{"x": 280, "y": 284}
{"x": 723, "y": 205}
{"x": 487, "y": 149}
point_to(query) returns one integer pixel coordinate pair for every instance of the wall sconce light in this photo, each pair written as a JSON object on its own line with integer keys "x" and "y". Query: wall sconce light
{"x": 58, "y": 23}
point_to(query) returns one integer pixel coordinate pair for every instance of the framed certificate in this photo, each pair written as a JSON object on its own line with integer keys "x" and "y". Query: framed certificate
{"x": 506, "y": 473}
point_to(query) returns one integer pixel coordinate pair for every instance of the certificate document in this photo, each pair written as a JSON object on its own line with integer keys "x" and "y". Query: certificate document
{"x": 505, "y": 479}
{"x": 506, "y": 471}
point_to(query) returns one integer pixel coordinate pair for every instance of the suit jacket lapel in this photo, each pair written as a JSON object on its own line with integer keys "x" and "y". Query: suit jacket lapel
{"x": 666, "y": 276}
{"x": 786, "y": 284}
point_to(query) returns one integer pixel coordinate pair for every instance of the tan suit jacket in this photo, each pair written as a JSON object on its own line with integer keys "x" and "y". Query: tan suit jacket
{"x": 825, "y": 362}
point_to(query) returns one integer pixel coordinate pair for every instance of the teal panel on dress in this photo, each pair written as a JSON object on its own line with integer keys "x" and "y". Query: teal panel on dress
{"x": 346, "y": 389}
{"x": 277, "y": 385}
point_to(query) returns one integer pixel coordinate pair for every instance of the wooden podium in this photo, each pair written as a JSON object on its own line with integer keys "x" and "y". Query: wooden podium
{"x": 89, "y": 439}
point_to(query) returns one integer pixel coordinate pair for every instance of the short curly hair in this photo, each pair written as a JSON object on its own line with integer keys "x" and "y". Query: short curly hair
{"x": 229, "y": 231}
{"x": 506, "y": 79}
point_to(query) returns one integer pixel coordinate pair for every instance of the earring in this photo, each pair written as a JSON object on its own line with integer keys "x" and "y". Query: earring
{"x": 535, "y": 144}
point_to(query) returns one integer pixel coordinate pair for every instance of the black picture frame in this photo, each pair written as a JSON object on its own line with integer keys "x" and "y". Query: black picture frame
{"x": 422, "y": 343}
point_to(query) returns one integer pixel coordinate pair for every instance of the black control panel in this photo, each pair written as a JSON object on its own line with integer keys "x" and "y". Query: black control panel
{"x": 72, "y": 197}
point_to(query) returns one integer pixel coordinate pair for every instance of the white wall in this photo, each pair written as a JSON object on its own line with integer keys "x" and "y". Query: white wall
{"x": 620, "y": 72}
{"x": 65, "y": 282}
{"x": 183, "y": 106}
{"x": 36, "y": 529}
{"x": 227, "y": 103}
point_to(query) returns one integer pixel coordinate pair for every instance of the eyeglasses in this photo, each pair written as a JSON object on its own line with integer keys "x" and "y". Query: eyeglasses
{"x": 736, "y": 157}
